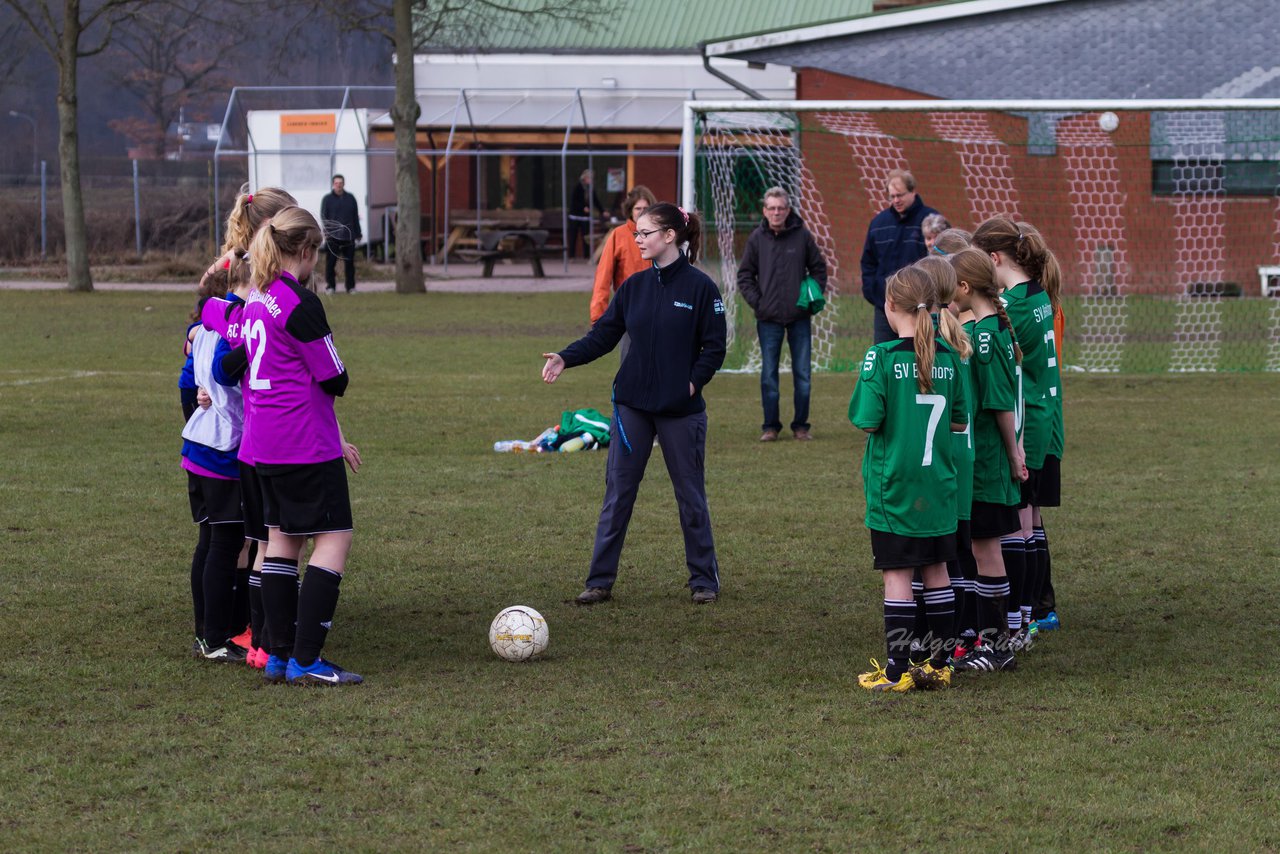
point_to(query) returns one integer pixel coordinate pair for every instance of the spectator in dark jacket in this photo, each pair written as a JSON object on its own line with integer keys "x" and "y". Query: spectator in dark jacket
{"x": 779, "y": 254}
{"x": 894, "y": 241}
{"x": 340, "y": 219}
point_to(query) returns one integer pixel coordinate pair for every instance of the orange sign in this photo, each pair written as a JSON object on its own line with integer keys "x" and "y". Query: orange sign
{"x": 308, "y": 123}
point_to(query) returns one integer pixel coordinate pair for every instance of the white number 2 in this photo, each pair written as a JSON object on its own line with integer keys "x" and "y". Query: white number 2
{"x": 1052, "y": 345}
{"x": 938, "y": 403}
{"x": 256, "y": 331}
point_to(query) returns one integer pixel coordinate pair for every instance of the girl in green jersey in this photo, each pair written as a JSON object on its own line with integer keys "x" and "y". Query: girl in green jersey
{"x": 1031, "y": 281}
{"x": 906, "y": 388}
{"x": 998, "y": 460}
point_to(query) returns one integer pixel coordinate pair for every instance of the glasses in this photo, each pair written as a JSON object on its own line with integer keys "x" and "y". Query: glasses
{"x": 645, "y": 234}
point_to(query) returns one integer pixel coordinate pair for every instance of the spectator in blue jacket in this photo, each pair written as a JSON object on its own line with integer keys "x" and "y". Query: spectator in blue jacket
{"x": 894, "y": 241}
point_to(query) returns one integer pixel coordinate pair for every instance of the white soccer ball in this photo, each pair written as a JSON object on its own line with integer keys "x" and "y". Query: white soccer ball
{"x": 1108, "y": 121}
{"x": 519, "y": 633}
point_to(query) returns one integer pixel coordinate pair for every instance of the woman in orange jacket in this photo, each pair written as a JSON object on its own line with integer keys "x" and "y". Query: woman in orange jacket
{"x": 620, "y": 257}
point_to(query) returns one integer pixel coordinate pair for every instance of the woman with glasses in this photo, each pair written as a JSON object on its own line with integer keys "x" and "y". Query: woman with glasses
{"x": 675, "y": 317}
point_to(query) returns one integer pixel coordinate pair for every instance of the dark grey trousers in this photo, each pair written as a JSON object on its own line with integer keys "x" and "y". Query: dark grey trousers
{"x": 684, "y": 444}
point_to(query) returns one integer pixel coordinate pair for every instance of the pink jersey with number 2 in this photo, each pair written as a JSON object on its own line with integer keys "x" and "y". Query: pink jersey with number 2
{"x": 291, "y": 352}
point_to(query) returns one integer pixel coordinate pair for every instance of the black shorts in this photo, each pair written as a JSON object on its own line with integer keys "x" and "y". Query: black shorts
{"x": 993, "y": 520}
{"x": 213, "y": 499}
{"x": 305, "y": 499}
{"x": 255, "y": 526}
{"x": 1043, "y": 486}
{"x": 894, "y": 551}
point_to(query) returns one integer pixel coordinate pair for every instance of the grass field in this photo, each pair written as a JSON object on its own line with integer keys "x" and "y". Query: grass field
{"x": 1148, "y": 722}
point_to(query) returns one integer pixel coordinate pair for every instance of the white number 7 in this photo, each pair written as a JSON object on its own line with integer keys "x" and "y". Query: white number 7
{"x": 938, "y": 403}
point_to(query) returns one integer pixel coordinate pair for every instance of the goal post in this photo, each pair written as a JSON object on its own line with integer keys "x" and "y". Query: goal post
{"x": 1164, "y": 214}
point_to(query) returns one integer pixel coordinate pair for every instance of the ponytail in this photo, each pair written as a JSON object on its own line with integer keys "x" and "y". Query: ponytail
{"x": 686, "y": 224}
{"x": 1025, "y": 246}
{"x": 251, "y": 210}
{"x": 289, "y": 235}
{"x": 944, "y": 285}
{"x": 974, "y": 268}
{"x": 911, "y": 289}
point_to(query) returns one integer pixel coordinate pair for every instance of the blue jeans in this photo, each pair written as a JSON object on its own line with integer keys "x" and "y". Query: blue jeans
{"x": 799, "y": 338}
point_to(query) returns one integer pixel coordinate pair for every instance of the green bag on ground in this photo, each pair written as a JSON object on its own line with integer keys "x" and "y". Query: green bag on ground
{"x": 811, "y": 297}
{"x": 575, "y": 422}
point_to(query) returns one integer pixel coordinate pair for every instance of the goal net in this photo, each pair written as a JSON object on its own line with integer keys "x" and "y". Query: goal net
{"x": 1164, "y": 216}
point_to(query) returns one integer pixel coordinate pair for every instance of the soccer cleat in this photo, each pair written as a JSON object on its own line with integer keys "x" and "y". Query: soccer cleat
{"x": 257, "y": 658}
{"x": 1033, "y": 629}
{"x": 274, "y": 669}
{"x": 1049, "y": 622}
{"x": 931, "y": 678}
{"x": 878, "y": 680}
{"x": 985, "y": 659}
{"x": 320, "y": 672}
{"x": 244, "y": 639}
{"x": 227, "y": 653}
{"x": 1020, "y": 641}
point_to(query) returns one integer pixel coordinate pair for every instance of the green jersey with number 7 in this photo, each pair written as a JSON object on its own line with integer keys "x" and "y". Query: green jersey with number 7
{"x": 908, "y": 468}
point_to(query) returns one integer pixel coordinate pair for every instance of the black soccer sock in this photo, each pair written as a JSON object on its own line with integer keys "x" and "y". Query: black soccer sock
{"x": 225, "y": 542}
{"x": 899, "y": 625}
{"x": 316, "y": 604}
{"x": 966, "y": 567}
{"x": 1013, "y": 550}
{"x": 921, "y": 627}
{"x": 198, "y": 558}
{"x": 940, "y": 605}
{"x": 1045, "y": 601}
{"x": 240, "y": 601}
{"x": 993, "y": 591}
{"x": 256, "y": 627}
{"x": 280, "y": 604}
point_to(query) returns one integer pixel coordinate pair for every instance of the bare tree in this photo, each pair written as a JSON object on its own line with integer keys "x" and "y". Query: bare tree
{"x": 13, "y": 50}
{"x": 64, "y": 34}
{"x": 169, "y": 58}
{"x": 409, "y": 25}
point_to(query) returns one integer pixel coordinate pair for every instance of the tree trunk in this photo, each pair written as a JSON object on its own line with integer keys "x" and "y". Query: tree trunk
{"x": 78, "y": 277}
{"x": 409, "y": 275}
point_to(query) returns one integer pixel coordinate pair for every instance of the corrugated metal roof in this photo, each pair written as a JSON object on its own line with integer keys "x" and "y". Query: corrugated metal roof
{"x": 1077, "y": 49}
{"x": 659, "y": 26}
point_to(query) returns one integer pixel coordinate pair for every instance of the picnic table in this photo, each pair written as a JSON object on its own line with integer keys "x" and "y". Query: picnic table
{"x": 503, "y": 244}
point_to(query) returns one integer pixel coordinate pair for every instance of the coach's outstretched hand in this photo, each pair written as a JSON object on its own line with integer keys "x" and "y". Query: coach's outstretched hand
{"x": 553, "y": 368}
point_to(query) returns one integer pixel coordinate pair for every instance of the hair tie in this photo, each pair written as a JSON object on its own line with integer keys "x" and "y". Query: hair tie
{"x": 684, "y": 213}
{"x": 248, "y": 199}
{"x": 943, "y": 304}
{"x": 922, "y": 305}
{"x": 227, "y": 264}
{"x": 938, "y": 249}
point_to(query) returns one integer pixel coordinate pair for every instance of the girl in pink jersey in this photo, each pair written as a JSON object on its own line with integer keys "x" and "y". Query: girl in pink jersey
{"x": 294, "y": 374}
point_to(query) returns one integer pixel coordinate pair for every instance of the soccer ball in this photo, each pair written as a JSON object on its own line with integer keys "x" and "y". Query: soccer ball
{"x": 1108, "y": 121}
{"x": 518, "y": 633}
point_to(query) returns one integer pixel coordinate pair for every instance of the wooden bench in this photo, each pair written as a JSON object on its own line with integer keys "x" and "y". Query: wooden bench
{"x": 503, "y": 244}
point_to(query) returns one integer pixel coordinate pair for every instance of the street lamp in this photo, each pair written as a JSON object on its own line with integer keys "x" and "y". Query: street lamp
{"x": 35, "y": 170}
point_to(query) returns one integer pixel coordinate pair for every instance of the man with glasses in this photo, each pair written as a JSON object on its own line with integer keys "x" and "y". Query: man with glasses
{"x": 894, "y": 241}
{"x": 779, "y": 253}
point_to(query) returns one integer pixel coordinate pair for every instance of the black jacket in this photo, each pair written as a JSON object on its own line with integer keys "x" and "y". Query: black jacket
{"x": 675, "y": 318}
{"x": 773, "y": 265}
{"x": 340, "y": 218}
{"x": 893, "y": 242}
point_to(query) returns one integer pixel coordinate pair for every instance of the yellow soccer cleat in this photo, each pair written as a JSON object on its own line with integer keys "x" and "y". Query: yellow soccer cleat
{"x": 931, "y": 678}
{"x": 878, "y": 680}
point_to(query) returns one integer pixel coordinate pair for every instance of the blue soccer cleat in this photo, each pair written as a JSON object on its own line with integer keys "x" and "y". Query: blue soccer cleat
{"x": 1049, "y": 622}
{"x": 320, "y": 672}
{"x": 275, "y": 670}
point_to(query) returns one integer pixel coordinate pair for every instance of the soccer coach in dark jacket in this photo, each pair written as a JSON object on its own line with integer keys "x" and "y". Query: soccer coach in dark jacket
{"x": 779, "y": 253}
{"x": 894, "y": 241}
{"x": 340, "y": 219}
